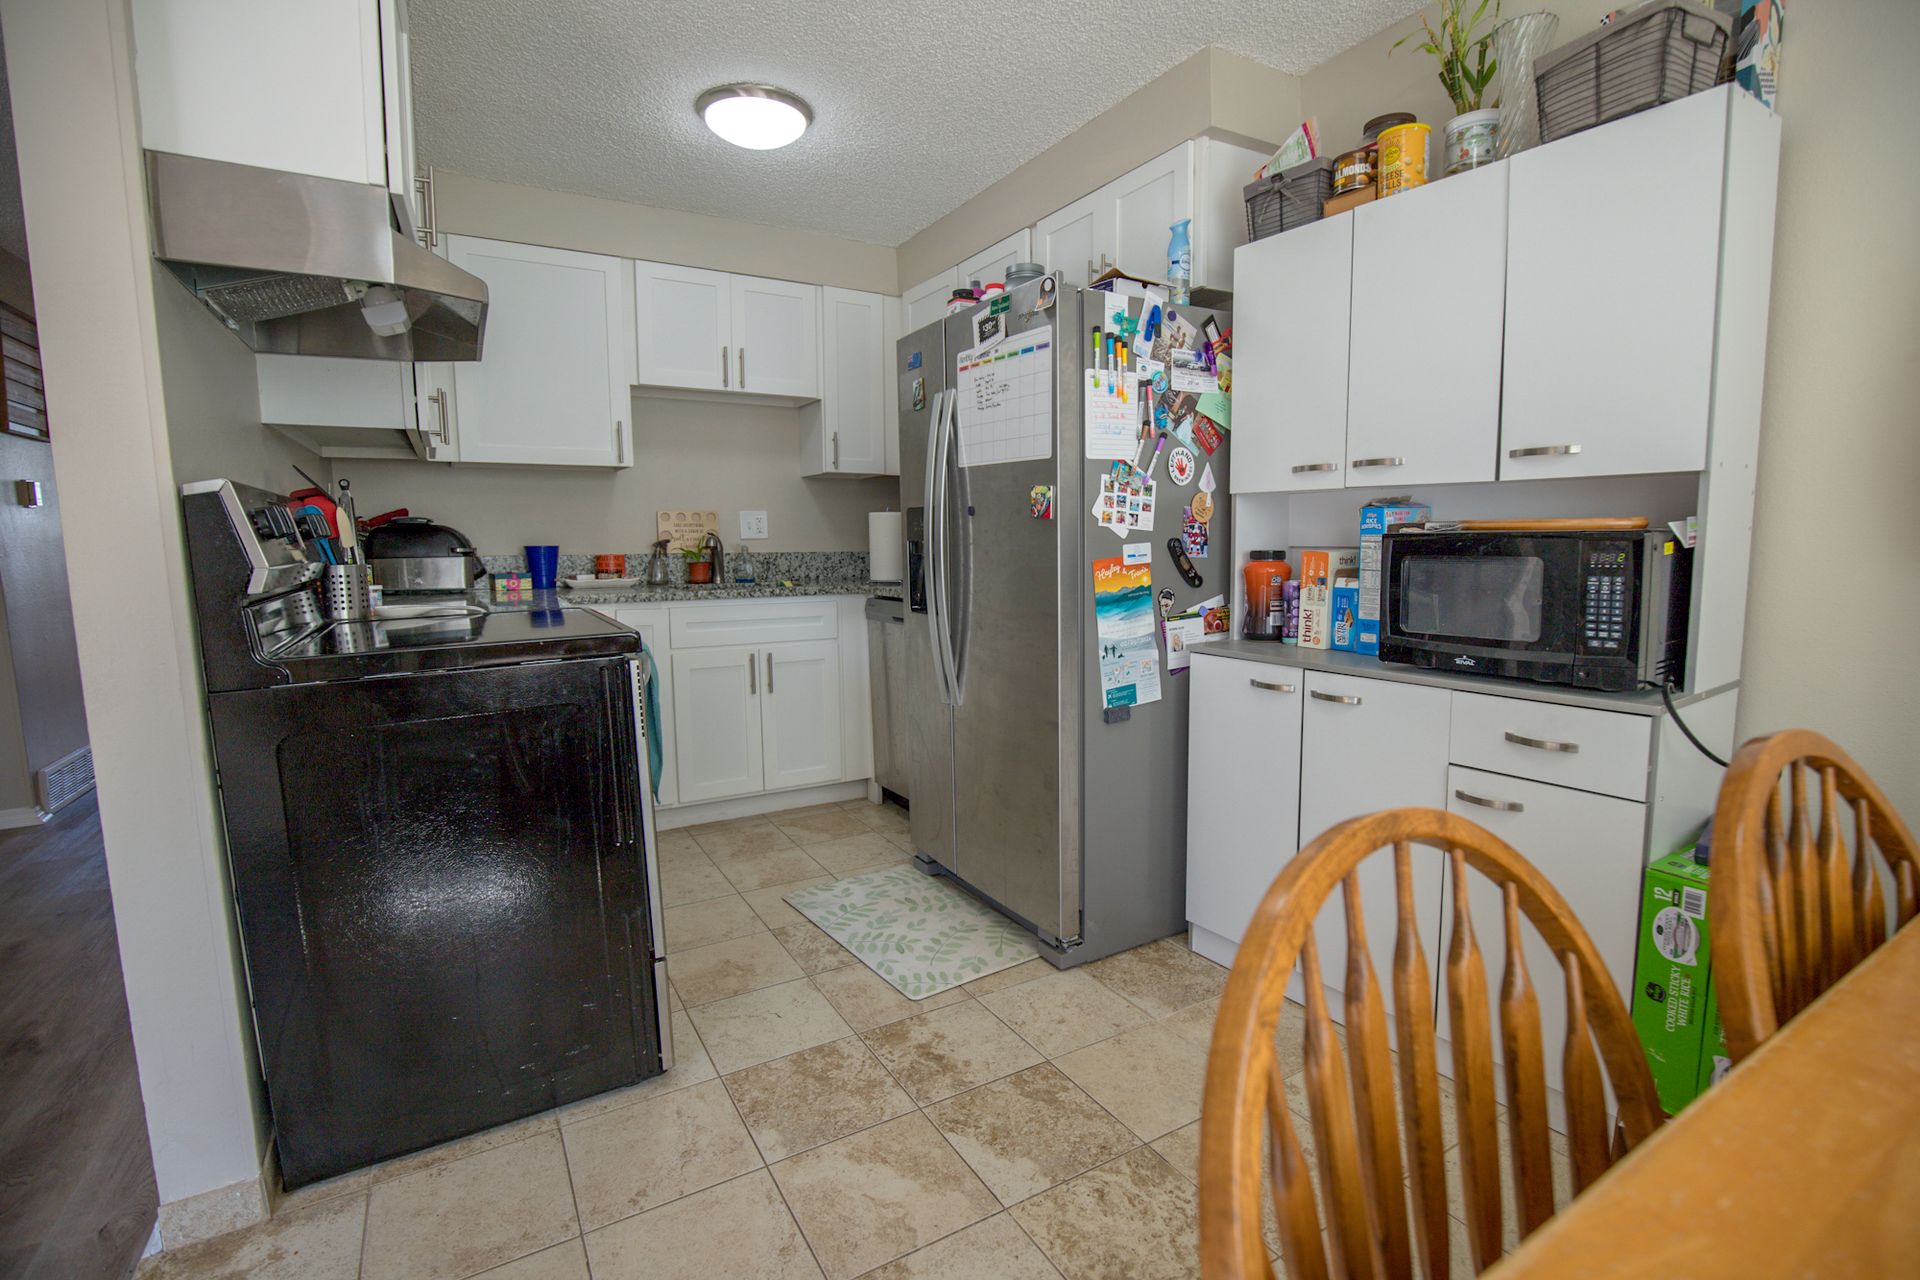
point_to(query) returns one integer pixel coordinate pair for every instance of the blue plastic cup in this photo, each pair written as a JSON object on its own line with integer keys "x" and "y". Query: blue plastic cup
{"x": 544, "y": 564}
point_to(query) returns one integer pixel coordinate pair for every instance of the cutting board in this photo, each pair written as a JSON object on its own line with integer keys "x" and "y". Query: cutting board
{"x": 686, "y": 528}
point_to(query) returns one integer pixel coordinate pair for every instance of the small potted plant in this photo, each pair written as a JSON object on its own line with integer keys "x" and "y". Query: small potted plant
{"x": 1464, "y": 50}
{"x": 699, "y": 567}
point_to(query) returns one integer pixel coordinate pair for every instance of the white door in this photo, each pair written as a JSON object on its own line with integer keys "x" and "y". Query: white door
{"x": 1429, "y": 289}
{"x": 856, "y": 360}
{"x": 776, "y": 337}
{"x": 1613, "y": 246}
{"x": 800, "y": 713}
{"x": 1147, "y": 202}
{"x": 685, "y": 324}
{"x": 989, "y": 266}
{"x": 1368, "y": 745}
{"x": 1242, "y": 775}
{"x": 1076, "y": 241}
{"x": 716, "y": 722}
{"x": 651, "y": 623}
{"x": 1290, "y": 358}
{"x": 553, "y": 384}
{"x": 396, "y": 69}
{"x": 927, "y": 301}
{"x": 435, "y": 414}
{"x": 1589, "y": 848}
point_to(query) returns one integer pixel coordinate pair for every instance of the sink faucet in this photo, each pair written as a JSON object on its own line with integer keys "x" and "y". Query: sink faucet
{"x": 717, "y": 553}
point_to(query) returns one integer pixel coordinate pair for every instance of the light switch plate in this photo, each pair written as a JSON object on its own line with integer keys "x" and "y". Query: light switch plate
{"x": 753, "y": 524}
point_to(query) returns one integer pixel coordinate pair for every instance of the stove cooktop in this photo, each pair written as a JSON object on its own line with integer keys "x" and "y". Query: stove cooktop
{"x": 353, "y": 650}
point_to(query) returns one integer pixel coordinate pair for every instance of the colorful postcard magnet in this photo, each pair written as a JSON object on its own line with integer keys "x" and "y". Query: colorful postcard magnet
{"x": 1123, "y": 623}
{"x": 1040, "y": 501}
{"x": 1217, "y": 406}
{"x": 1207, "y": 434}
{"x": 1193, "y": 533}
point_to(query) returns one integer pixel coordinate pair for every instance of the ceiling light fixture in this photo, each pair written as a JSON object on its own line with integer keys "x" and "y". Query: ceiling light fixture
{"x": 756, "y": 116}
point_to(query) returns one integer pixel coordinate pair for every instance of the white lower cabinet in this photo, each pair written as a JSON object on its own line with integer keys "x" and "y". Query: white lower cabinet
{"x": 1589, "y": 847}
{"x": 1367, "y": 745}
{"x": 716, "y": 721}
{"x": 800, "y": 714}
{"x": 1242, "y": 816}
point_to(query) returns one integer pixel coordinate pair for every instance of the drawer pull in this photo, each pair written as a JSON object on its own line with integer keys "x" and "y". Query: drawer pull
{"x": 1544, "y": 451}
{"x": 1543, "y": 744}
{"x": 1504, "y": 806}
{"x": 1378, "y": 462}
{"x": 1305, "y": 467}
{"x": 1275, "y": 688}
{"x": 1344, "y": 699}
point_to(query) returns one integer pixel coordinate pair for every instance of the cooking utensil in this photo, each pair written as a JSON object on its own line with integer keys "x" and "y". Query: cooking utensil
{"x": 349, "y": 526}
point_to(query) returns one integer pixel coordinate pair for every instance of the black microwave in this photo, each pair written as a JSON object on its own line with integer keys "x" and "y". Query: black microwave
{"x": 1594, "y": 609}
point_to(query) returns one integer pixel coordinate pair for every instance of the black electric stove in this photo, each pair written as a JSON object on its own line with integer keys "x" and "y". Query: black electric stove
{"x": 440, "y": 835}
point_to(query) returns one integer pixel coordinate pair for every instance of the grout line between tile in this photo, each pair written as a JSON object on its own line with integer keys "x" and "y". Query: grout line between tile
{"x": 366, "y": 1224}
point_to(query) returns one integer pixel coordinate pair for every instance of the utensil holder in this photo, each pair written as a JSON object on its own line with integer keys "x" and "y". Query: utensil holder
{"x": 343, "y": 593}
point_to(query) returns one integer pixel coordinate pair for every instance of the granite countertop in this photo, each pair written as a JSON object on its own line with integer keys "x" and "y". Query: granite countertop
{"x": 679, "y": 593}
{"x": 1645, "y": 702}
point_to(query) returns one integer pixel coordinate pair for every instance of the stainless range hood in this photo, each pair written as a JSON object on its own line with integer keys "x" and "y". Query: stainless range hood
{"x": 299, "y": 265}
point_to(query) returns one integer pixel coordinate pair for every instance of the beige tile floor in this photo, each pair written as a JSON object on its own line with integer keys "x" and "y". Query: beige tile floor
{"x": 1032, "y": 1123}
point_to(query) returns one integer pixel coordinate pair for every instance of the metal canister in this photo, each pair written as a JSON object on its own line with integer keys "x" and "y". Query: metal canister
{"x": 1353, "y": 170}
{"x": 1403, "y": 158}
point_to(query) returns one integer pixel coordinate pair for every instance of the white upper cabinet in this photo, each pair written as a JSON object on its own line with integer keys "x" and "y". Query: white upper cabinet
{"x": 1290, "y": 359}
{"x": 1146, "y": 204}
{"x": 1077, "y": 242}
{"x": 396, "y": 73}
{"x": 1612, "y": 262}
{"x": 990, "y": 265}
{"x": 553, "y": 384}
{"x": 776, "y": 337}
{"x": 342, "y": 408}
{"x": 845, "y": 433}
{"x": 297, "y": 87}
{"x": 927, "y": 301}
{"x": 712, "y": 331}
{"x": 1423, "y": 383}
{"x": 684, "y": 319}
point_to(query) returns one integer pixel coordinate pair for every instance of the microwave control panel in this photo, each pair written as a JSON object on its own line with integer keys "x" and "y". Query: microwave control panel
{"x": 1609, "y": 609}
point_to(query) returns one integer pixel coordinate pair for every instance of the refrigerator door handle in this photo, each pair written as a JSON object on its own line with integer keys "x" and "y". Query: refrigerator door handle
{"x": 936, "y": 527}
{"x": 939, "y": 512}
{"x": 960, "y": 626}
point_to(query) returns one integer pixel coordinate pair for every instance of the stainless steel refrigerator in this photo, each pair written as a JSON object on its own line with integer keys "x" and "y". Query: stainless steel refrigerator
{"x": 1064, "y": 815}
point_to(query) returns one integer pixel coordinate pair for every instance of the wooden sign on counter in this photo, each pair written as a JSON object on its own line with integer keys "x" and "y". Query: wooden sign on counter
{"x": 686, "y": 528}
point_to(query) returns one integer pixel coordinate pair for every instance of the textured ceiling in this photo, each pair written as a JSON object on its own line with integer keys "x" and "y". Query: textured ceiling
{"x": 917, "y": 106}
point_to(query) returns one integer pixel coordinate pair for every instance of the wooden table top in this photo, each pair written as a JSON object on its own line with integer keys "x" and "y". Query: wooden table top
{"x": 1803, "y": 1162}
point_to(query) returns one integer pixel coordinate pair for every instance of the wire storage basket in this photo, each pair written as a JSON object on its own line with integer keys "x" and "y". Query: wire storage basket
{"x": 1288, "y": 199}
{"x": 1658, "y": 53}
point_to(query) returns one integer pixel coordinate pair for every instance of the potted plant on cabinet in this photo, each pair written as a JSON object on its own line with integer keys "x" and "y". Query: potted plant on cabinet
{"x": 1465, "y": 53}
{"x": 699, "y": 567}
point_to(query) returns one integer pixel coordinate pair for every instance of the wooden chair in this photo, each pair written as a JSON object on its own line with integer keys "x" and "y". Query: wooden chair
{"x": 1246, "y": 1117}
{"x": 1792, "y": 908}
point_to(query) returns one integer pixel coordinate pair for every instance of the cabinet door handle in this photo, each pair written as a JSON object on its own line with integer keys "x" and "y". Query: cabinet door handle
{"x": 1275, "y": 688}
{"x": 1344, "y": 699}
{"x": 428, "y": 231}
{"x": 769, "y": 673}
{"x": 1378, "y": 462}
{"x": 726, "y": 369}
{"x": 619, "y": 443}
{"x": 1542, "y": 744}
{"x": 836, "y": 451}
{"x": 1305, "y": 467}
{"x": 1543, "y": 450}
{"x": 1503, "y": 806}
{"x": 439, "y": 402}
{"x": 753, "y": 677}
{"x": 743, "y": 368}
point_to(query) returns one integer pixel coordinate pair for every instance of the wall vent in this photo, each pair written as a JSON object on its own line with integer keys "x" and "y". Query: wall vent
{"x": 64, "y": 781}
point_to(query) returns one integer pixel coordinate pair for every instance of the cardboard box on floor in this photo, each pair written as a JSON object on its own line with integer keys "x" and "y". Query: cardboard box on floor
{"x": 1672, "y": 973}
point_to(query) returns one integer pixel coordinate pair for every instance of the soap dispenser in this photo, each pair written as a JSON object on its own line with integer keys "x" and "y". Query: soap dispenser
{"x": 743, "y": 567}
{"x": 659, "y": 568}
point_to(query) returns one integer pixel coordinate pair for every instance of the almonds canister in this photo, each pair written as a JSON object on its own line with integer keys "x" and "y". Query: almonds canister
{"x": 1403, "y": 157}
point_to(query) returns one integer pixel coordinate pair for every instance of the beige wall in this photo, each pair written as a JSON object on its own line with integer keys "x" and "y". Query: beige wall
{"x": 529, "y": 215}
{"x": 1833, "y": 606}
{"x": 69, "y": 66}
{"x": 1212, "y": 92}
{"x": 719, "y": 457}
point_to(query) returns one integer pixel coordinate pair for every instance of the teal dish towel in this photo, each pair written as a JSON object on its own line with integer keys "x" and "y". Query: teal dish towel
{"x": 656, "y": 734}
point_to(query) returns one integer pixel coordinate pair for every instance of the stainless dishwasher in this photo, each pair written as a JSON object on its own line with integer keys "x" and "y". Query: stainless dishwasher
{"x": 887, "y": 677}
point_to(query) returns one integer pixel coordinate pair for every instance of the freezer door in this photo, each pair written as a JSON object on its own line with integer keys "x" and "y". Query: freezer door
{"x": 1013, "y": 845}
{"x": 927, "y": 718}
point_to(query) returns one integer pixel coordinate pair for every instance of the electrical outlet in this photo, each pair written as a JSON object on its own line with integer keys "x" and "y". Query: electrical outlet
{"x": 753, "y": 524}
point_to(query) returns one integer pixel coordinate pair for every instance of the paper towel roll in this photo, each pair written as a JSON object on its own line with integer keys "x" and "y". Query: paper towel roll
{"x": 885, "y": 546}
